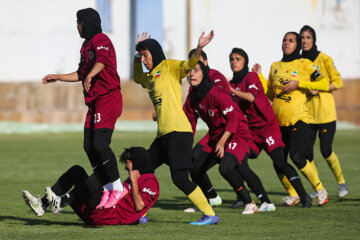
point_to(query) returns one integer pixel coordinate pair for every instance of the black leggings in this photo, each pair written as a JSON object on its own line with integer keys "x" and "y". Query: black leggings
{"x": 326, "y": 136}
{"x": 295, "y": 139}
{"x": 86, "y": 188}
{"x": 102, "y": 158}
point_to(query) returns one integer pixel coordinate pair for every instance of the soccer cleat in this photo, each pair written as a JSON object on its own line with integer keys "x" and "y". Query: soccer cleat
{"x": 322, "y": 197}
{"x": 306, "y": 201}
{"x": 34, "y": 203}
{"x": 250, "y": 208}
{"x": 343, "y": 190}
{"x": 104, "y": 199}
{"x": 238, "y": 204}
{"x": 191, "y": 210}
{"x": 143, "y": 219}
{"x": 290, "y": 201}
{"x": 114, "y": 197}
{"x": 207, "y": 220}
{"x": 53, "y": 200}
{"x": 314, "y": 194}
{"x": 267, "y": 207}
{"x": 215, "y": 202}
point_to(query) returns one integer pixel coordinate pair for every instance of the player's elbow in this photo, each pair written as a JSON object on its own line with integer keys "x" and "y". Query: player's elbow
{"x": 139, "y": 206}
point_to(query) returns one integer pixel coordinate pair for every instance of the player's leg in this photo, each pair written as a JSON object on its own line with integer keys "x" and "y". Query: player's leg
{"x": 277, "y": 155}
{"x": 298, "y": 150}
{"x": 202, "y": 162}
{"x": 179, "y": 146}
{"x": 326, "y": 136}
{"x": 228, "y": 168}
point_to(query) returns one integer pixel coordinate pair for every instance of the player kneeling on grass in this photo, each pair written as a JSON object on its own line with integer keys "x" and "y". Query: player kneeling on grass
{"x": 87, "y": 191}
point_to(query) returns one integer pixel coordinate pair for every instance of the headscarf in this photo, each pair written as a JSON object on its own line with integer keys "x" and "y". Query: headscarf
{"x": 239, "y": 76}
{"x": 296, "y": 53}
{"x": 154, "y": 48}
{"x": 91, "y": 22}
{"x": 140, "y": 159}
{"x": 204, "y": 87}
{"x": 313, "y": 52}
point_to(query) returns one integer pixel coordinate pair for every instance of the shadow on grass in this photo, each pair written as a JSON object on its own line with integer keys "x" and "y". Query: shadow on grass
{"x": 39, "y": 221}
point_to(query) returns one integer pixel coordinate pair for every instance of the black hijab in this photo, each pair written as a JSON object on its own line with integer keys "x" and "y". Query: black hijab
{"x": 154, "y": 48}
{"x": 296, "y": 53}
{"x": 91, "y": 22}
{"x": 313, "y": 52}
{"x": 205, "y": 86}
{"x": 140, "y": 159}
{"x": 239, "y": 76}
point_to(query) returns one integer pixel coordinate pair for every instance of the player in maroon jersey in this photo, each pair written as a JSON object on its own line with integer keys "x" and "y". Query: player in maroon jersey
{"x": 248, "y": 93}
{"x": 86, "y": 193}
{"x": 228, "y": 138}
{"x": 101, "y": 82}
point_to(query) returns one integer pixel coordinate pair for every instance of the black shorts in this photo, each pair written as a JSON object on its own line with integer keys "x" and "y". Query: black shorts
{"x": 174, "y": 149}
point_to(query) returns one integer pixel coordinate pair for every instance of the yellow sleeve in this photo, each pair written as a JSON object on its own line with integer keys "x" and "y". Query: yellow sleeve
{"x": 184, "y": 66}
{"x": 269, "y": 92}
{"x": 320, "y": 83}
{"x": 263, "y": 82}
{"x": 139, "y": 75}
{"x": 334, "y": 74}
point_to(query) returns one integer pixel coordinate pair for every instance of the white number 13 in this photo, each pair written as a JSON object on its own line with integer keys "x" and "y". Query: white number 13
{"x": 97, "y": 117}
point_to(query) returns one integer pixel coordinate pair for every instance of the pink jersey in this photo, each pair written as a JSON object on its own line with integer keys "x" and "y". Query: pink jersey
{"x": 99, "y": 49}
{"x": 220, "y": 114}
{"x": 124, "y": 212}
{"x": 218, "y": 79}
{"x": 259, "y": 113}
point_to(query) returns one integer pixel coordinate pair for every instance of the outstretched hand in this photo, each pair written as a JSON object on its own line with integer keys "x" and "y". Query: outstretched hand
{"x": 143, "y": 37}
{"x": 256, "y": 68}
{"x": 204, "y": 40}
{"x": 50, "y": 78}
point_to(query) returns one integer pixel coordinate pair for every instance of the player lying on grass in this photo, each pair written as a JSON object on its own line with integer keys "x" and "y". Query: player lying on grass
{"x": 87, "y": 191}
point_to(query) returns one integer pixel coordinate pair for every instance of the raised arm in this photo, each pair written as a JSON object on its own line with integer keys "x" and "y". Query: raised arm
{"x": 70, "y": 77}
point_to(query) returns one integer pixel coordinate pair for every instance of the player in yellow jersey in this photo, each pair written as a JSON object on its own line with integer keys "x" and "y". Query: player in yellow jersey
{"x": 174, "y": 140}
{"x": 288, "y": 82}
{"x": 321, "y": 106}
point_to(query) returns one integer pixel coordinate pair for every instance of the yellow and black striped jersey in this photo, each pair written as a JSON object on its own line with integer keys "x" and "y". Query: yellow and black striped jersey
{"x": 164, "y": 85}
{"x": 322, "y": 107}
{"x": 290, "y": 108}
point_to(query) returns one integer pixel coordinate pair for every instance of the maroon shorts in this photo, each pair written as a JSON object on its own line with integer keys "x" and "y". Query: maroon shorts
{"x": 267, "y": 138}
{"x": 104, "y": 112}
{"x": 238, "y": 147}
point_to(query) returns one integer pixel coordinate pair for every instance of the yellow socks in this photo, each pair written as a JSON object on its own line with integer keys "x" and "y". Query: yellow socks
{"x": 334, "y": 164}
{"x": 198, "y": 198}
{"x": 287, "y": 185}
{"x": 312, "y": 175}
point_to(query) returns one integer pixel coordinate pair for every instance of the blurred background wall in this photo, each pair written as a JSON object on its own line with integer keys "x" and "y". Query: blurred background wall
{"x": 40, "y": 37}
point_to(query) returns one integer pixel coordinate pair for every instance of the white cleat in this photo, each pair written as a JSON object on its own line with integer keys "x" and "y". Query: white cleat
{"x": 343, "y": 190}
{"x": 191, "y": 210}
{"x": 322, "y": 197}
{"x": 34, "y": 203}
{"x": 250, "y": 208}
{"x": 314, "y": 194}
{"x": 290, "y": 201}
{"x": 215, "y": 202}
{"x": 53, "y": 200}
{"x": 267, "y": 207}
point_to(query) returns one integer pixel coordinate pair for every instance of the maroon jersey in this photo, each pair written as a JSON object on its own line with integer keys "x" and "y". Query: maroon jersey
{"x": 218, "y": 79}
{"x": 220, "y": 114}
{"x": 259, "y": 113}
{"x": 99, "y": 49}
{"x": 124, "y": 212}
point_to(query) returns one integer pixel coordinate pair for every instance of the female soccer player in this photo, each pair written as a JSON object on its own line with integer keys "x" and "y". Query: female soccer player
{"x": 83, "y": 193}
{"x": 174, "y": 139}
{"x": 321, "y": 106}
{"x": 101, "y": 82}
{"x": 287, "y": 84}
{"x": 249, "y": 94}
{"x": 228, "y": 139}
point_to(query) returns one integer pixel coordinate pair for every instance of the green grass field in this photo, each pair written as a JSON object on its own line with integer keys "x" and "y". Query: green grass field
{"x": 34, "y": 161}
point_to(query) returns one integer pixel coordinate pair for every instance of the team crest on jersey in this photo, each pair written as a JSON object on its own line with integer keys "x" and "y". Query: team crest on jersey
{"x": 91, "y": 55}
{"x": 157, "y": 74}
{"x": 316, "y": 67}
{"x": 294, "y": 74}
{"x": 275, "y": 72}
{"x": 211, "y": 113}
